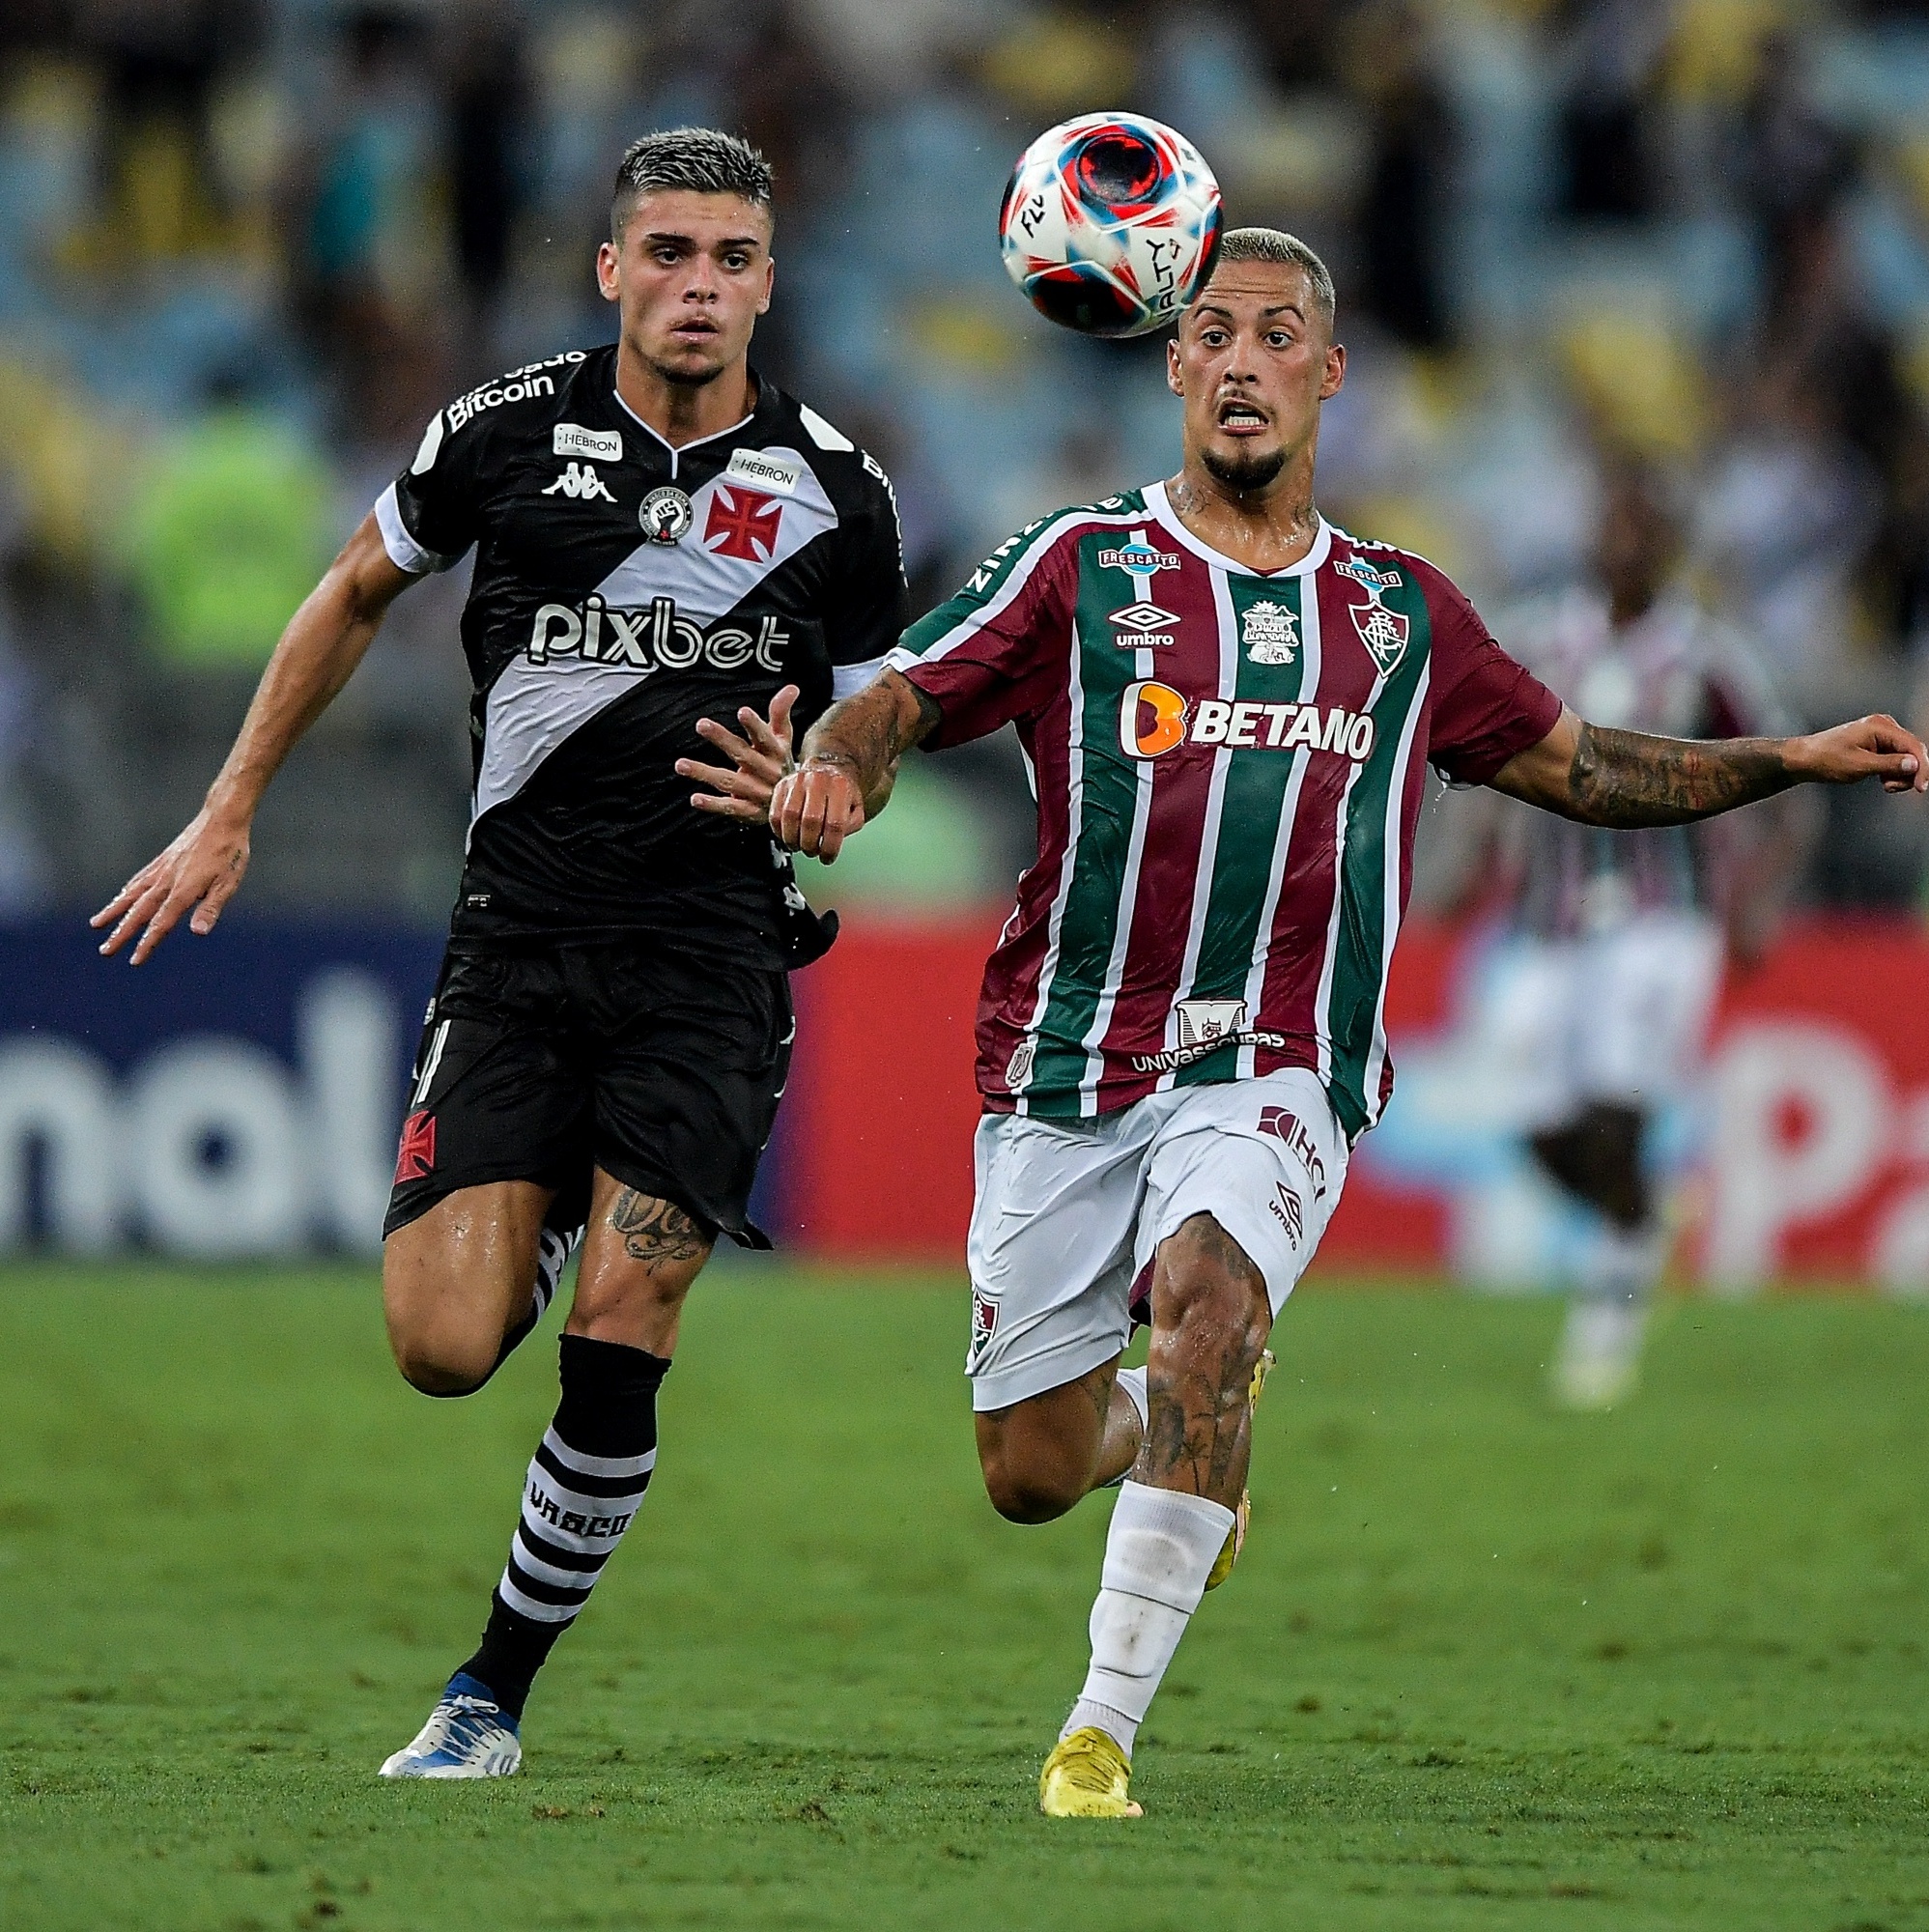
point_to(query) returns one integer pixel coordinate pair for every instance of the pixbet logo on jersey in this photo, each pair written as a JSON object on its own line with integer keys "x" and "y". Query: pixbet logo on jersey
{"x": 1154, "y": 719}
{"x": 657, "y": 639}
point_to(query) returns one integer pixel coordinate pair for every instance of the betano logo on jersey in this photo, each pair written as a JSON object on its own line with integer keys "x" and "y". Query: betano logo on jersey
{"x": 656, "y": 638}
{"x": 1154, "y": 719}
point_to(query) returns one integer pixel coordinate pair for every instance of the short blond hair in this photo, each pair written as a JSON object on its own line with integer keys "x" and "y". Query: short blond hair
{"x": 1275, "y": 244}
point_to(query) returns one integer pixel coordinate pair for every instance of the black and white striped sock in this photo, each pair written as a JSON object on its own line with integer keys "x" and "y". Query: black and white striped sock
{"x": 585, "y": 1484}
{"x": 553, "y": 1249}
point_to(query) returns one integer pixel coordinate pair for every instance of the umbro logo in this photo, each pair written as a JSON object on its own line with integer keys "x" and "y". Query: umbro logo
{"x": 580, "y": 480}
{"x": 1142, "y": 625}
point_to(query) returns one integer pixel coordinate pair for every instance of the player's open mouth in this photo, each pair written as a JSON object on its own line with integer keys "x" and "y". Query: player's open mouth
{"x": 1243, "y": 419}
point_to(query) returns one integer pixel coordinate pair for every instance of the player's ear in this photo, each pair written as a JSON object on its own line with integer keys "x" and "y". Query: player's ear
{"x": 608, "y": 280}
{"x": 769, "y": 283}
{"x": 1336, "y": 371}
{"x": 1175, "y": 376}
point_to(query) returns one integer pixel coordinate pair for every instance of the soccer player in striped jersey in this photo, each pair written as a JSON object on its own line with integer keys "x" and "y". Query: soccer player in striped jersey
{"x": 1605, "y": 990}
{"x": 1227, "y": 705}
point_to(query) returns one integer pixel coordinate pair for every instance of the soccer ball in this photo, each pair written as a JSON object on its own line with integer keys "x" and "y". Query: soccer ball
{"x": 1110, "y": 223}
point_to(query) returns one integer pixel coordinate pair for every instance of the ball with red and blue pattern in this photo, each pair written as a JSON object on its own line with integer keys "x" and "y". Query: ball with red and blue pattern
{"x": 1109, "y": 224}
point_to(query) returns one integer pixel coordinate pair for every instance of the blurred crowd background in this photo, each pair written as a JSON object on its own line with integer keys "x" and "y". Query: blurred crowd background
{"x": 247, "y": 246}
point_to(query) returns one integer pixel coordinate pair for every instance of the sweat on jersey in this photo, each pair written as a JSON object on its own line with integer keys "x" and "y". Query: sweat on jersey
{"x": 622, "y": 591}
{"x": 1229, "y": 768}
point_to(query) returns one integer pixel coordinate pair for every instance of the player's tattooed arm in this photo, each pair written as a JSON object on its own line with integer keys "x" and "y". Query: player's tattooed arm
{"x": 656, "y": 1233}
{"x": 1627, "y": 780}
{"x": 849, "y": 765}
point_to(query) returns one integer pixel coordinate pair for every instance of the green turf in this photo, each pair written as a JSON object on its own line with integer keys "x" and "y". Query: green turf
{"x": 1482, "y": 1666}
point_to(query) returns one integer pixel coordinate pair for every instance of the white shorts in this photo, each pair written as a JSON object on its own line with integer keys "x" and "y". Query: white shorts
{"x": 1068, "y": 1212}
{"x": 1618, "y": 1015}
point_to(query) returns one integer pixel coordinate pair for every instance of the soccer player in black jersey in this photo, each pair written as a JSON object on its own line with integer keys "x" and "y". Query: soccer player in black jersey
{"x": 661, "y": 540}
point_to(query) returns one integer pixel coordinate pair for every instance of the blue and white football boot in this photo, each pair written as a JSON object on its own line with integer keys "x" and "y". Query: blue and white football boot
{"x": 467, "y": 1735}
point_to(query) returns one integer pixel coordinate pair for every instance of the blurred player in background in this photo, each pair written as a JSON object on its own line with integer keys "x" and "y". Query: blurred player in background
{"x": 1228, "y": 706}
{"x": 662, "y": 538}
{"x": 1611, "y": 982}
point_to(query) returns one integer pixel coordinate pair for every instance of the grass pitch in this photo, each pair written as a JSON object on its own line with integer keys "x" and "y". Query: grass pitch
{"x": 1482, "y": 1666}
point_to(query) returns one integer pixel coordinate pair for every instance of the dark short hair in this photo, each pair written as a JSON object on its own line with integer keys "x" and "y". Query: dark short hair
{"x": 703, "y": 160}
{"x": 1275, "y": 244}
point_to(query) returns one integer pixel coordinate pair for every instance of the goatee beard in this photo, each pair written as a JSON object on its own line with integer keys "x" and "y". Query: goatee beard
{"x": 688, "y": 379}
{"x": 1244, "y": 474}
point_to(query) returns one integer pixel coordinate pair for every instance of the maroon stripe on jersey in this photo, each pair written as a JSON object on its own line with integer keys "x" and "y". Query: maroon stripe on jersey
{"x": 1297, "y": 954}
{"x": 1174, "y": 830}
{"x": 1409, "y": 823}
{"x": 1010, "y": 989}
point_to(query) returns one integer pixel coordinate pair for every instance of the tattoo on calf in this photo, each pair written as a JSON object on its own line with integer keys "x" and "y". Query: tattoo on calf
{"x": 1198, "y": 1380}
{"x": 1629, "y": 778}
{"x": 654, "y": 1231}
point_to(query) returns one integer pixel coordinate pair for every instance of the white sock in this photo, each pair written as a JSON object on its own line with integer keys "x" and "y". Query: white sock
{"x": 1158, "y": 1552}
{"x": 1133, "y": 1382}
{"x": 1623, "y": 1268}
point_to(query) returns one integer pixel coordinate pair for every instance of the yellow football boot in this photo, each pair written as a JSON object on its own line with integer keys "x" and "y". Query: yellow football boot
{"x": 1087, "y": 1777}
{"x": 1236, "y": 1537}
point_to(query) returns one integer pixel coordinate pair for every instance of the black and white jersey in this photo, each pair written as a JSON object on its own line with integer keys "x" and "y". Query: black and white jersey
{"x": 622, "y": 591}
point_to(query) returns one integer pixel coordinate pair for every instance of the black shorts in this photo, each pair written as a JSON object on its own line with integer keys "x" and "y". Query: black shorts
{"x": 661, "y": 1066}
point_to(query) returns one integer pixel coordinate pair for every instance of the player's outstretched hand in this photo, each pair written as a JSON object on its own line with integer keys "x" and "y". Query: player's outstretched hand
{"x": 201, "y": 872}
{"x": 757, "y": 760}
{"x": 1875, "y": 747}
{"x": 815, "y": 809}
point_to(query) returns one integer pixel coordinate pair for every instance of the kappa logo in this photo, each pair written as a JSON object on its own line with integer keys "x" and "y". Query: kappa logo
{"x": 1383, "y": 632}
{"x": 1286, "y": 1127}
{"x": 415, "y": 1160}
{"x": 580, "y": 480}
{"x": 1154, "y": 719}
{"x": 744, "y": 524}
{"x": 656, "y": 638}
{"x": 1139, "y": 626}
{"x": 1269, "y": 634}
{"x": 1140, "y": 558}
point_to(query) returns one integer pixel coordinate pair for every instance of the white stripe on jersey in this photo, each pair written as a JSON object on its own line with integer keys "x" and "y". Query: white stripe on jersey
{"x": 1021, "y": 574}
{"x": 532, "y": 708}
{"x": 1322, "y": 998}
{"x": 1215, "y": 806}
{"x": 847, "y": 680}
{"x": 1288, "y": 818}
{"x": 1122, "y": 913}
{"x": 404, "y": 552}
{"x": 1068, "y": 865}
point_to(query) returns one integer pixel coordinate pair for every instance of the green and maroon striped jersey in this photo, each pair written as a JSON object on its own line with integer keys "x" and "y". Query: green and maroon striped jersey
{"x": 1229, "y": 768}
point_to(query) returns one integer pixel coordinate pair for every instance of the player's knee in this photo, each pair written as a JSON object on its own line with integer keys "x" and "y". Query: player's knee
{"x": 446, "y": 1363}
{"x": 1212, "y": 1290}
{"x": 1026, "y": 1487}
{"x": 1029, "y": 1495}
